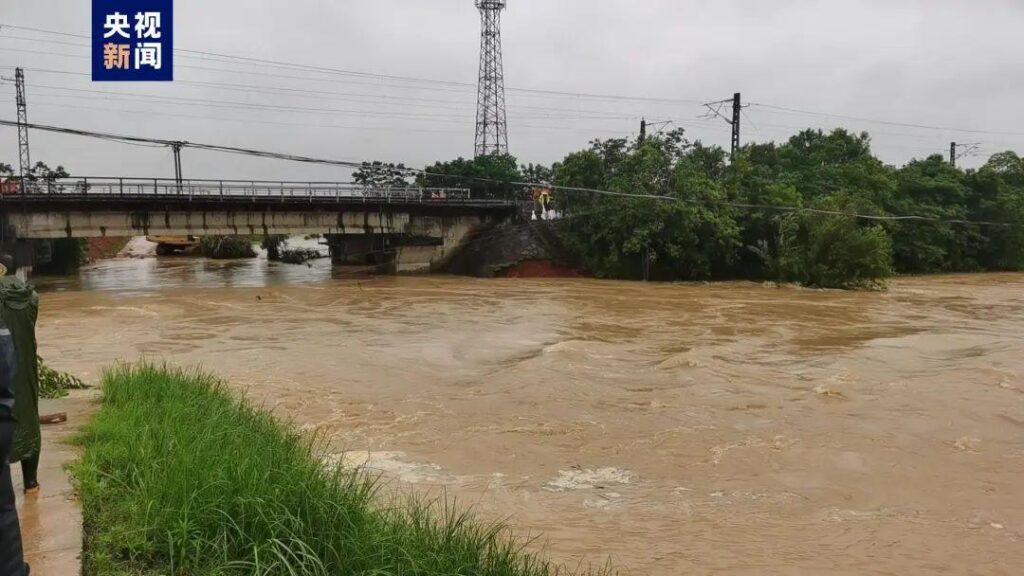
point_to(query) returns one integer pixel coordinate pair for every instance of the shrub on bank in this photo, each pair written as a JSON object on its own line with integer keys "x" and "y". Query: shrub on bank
{"x": 227, "y": 247}
{"x": 833, "y": 250}
{"x": 54, "y": 383}
{"x": 300, "y": 255}
{"x": 178, "y": 476}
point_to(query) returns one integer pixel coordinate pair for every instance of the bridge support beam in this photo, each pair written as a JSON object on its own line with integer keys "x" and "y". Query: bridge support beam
{"x": 404, "y": 239}
{"x": 82, "y": 224}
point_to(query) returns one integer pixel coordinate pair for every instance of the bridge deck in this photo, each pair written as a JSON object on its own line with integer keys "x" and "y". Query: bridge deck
{"x": 126, "y": 192}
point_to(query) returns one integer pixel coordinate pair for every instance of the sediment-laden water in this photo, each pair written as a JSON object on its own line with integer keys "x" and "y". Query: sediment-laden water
{"x": 677, "y": 429}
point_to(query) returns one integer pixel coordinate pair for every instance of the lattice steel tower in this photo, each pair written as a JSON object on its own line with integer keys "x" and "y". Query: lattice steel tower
{"x": 491, "y": 128}
{"x": 24, "y": 162}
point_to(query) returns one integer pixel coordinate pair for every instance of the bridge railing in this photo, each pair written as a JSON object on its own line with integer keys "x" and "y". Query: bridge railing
{"x": 235, "y": 189}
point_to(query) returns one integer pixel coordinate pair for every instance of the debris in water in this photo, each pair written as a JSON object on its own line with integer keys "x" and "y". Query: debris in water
{"x": 967, "y": 444}
{"x": 604, "y": 501}
{"x": 587, "y": 479}
{"x": 823, "y": 390}
{"x": 393, "y": 464}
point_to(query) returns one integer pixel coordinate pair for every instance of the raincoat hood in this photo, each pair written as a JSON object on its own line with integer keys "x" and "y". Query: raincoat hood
{"x": 17, "y": 294}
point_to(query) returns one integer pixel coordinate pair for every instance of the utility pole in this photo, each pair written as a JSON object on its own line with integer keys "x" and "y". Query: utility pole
{"x": 715, "y": 111}
{"x": 645, "y": 126}
{"x": 958, "y": 150}
{"x": 177, "y": 164}
{"x": 23, "y": 151}
{"x": 737, "y": 108}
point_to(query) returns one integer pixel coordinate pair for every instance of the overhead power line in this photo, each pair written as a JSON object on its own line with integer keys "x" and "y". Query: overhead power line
{"x": 378, "y": 76}
{"x": 613, "y": 193}
{"x": 402, "y": 129}
{"x": 360, "y": 97}
{"x": 696, "y": 125}
{"x": 448, "y": 85}
{"x": 886, "y": 122}
{"x": 357, "y": 96}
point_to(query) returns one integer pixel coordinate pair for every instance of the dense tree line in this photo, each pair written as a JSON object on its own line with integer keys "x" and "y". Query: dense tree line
{"x": 777, "y": 212}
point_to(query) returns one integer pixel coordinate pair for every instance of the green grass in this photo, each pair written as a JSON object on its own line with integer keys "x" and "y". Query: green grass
{"x": 180, "y": 477}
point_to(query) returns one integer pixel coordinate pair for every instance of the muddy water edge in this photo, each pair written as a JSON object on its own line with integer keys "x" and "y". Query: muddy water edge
{"x": 676, "y": 429}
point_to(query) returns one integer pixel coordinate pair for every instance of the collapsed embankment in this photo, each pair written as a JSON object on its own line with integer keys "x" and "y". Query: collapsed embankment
{"x": 179, "y": 476}
{"x": 104, "y": 247}
{"x": 523, "y": 249}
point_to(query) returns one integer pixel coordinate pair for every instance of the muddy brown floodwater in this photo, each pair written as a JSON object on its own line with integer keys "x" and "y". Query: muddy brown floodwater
{"x": 675, "y": 429}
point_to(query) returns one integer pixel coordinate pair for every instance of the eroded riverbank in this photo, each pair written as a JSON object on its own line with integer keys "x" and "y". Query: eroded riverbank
{"x": 735, "y": 428}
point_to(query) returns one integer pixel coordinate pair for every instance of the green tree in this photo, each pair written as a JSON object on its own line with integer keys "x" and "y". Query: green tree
{"x": 819, "y": 165}
{"x": 380, "y": 175}
{"x": 833, "y": 251}
{"x": 998, "y": 197}
{"x": 931, "y": 188}
{"x": 536, "y": 173}
{"x": 43, "y": 172}
{"x": 680, "y": 231}
{"x": 832, "y": 172}
{"x": 491, "y": 176}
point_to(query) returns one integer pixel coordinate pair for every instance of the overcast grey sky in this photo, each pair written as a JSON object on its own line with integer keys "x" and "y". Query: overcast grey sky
{"x": 942, "y": 63}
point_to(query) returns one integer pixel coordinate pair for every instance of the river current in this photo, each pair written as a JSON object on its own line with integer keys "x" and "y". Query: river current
{"x": 732, "y": 428}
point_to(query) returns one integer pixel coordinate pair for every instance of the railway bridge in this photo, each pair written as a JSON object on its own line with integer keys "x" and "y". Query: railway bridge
{"x": 409, "y": 229}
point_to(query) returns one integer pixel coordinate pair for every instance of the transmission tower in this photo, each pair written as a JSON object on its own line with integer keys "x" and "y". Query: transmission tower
{"x": 491, "y": 127}
{"x": 23, "y": 155}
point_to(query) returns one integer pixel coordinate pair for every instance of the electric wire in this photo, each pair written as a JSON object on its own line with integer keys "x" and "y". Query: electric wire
{"x": 227, "y": 58}
{"x": 886, "y": 122}
{"x": 379, "y": 76}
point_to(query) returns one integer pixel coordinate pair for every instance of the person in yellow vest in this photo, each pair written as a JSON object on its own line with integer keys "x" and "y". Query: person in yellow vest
{"x": 542, "y": 196}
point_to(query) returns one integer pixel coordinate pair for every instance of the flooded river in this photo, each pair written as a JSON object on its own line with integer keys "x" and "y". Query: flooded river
{"x": 675, "y": 429}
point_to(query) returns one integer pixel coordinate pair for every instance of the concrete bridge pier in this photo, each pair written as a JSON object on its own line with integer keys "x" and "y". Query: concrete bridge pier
{"x": 357, "y": 249}
{"x": 427, "y": 244}
{"x": 26, "y": 253}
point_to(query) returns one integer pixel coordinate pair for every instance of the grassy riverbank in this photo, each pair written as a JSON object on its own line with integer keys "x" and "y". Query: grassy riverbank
{"x": 180, "y": 477}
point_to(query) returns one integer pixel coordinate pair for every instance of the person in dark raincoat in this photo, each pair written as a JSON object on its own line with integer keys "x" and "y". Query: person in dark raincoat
{"x": 12, "y": 561}
{"x": 19, "y": 308}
